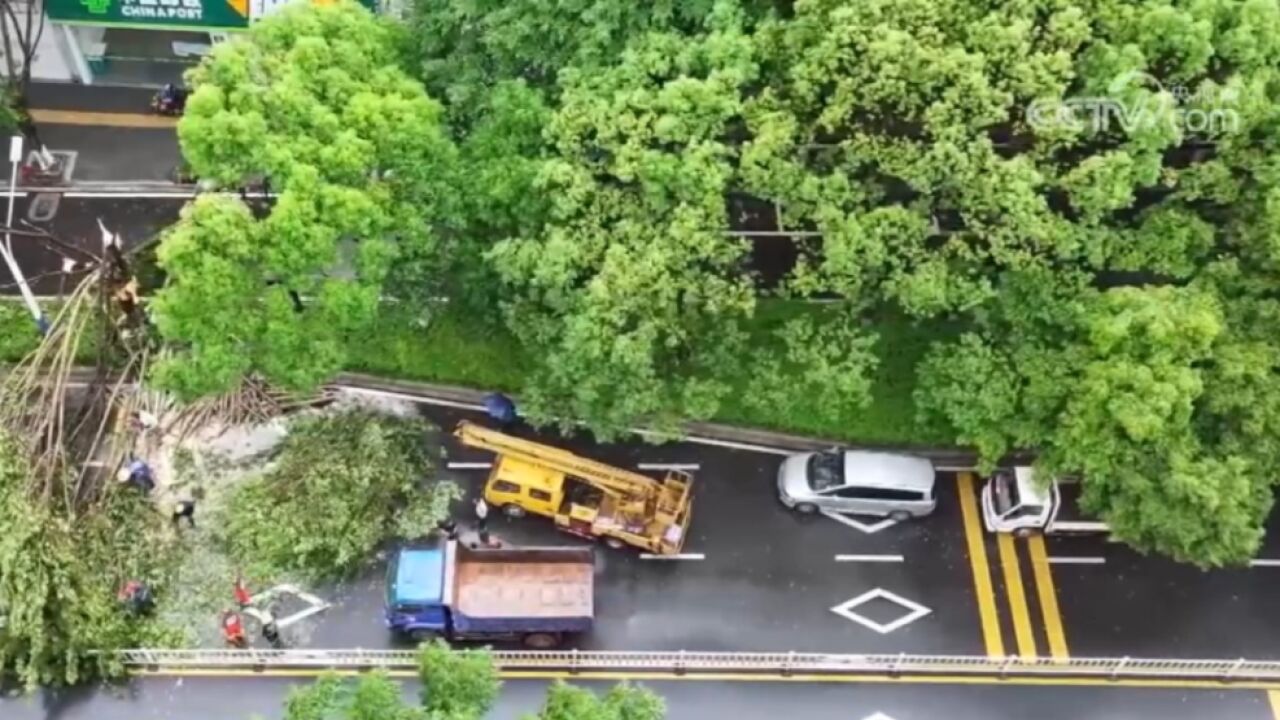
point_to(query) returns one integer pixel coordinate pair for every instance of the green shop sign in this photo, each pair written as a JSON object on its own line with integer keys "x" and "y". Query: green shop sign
{"x": 225, "y": 14}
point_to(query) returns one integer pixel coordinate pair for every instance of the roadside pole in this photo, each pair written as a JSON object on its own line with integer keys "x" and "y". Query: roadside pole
{"x": 15, "y": 158}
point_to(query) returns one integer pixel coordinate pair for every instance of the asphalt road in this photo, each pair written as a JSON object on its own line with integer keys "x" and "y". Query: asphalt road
{"x": 75, "y": 222}
{"x": 165, "y": 698}
{"x": 763, "y": 578}
{"x": 760, "y": 577}
{"x": 770, "y": 580}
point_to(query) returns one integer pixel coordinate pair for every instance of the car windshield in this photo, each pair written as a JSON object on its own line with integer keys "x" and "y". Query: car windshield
{"x": 1006, "y": 492}
{"x": 826, "y": 470}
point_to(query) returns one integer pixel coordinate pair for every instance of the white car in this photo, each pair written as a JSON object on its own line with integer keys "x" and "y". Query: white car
{"x": 858, "y": 482}
{"x": 1013, "y": 502}
{"x": 1016, "y": 502}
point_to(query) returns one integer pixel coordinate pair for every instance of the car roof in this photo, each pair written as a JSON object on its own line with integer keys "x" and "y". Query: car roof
{"x": 887, "y": 471}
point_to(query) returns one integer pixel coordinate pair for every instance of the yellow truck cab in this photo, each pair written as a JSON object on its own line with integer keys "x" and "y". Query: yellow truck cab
{"x": 582, "y": 496}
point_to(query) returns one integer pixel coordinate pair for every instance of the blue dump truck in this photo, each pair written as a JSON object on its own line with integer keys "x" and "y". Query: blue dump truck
{"x": 535, "y": 595}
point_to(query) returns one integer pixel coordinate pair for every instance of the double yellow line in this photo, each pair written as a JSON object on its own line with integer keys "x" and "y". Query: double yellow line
{"x": 1011, "y": 572}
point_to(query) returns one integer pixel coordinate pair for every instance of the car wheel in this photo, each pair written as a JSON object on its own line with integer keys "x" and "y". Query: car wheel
{"x": 1022, "y": 532}
{"x": 806, "y": 508}
{"x": 513, "y": 511}
{"x": 899, "y": 516}
{"x": 541, "y": 641}
{"x": 421, "y": 635}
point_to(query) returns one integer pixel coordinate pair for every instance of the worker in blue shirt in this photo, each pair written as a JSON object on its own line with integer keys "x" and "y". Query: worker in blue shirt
{"x": 139, "y": 475}
{"x": 502, "y": 409}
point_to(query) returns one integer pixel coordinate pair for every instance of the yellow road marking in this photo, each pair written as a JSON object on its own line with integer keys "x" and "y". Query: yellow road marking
{"x": 1017, "y": 596}
{"x": 981, "y": 568}
{"x": 1048, "y": 595}
{"x": 1273, "y": 697}
{"x": 1172, "y": 683}
{"x": 102, "y": 119}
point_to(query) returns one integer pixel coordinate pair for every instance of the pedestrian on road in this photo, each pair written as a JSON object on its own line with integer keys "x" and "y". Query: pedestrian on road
{"x": 233, "y": 629}
{"x": 482, "y": 520}
{"x": 241, "y": 593}
{"x": 271, "y": 633}
{"x": 136, "y": 597}
{"x": 185, "y": 509}
{"x": 448, "y": 528}
{"x": 138, "y": 474}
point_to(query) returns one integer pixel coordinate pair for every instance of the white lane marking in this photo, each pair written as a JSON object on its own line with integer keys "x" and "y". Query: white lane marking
{"x": 668, "y": 466}
{"x": 1264, "y": 563}
{"x": 878, "y": 716}
{"x": 1077, "y": 560}
{"x": 869, "y": 558}
{"x": 679, "y": 556}
{"x": 469, "y": 466}
{"x": 915, "y": 610}
{"x": 869, "y": 529}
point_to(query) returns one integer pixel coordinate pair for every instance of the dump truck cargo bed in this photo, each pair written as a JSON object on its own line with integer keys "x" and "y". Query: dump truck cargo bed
{"x": 522, "y": 589}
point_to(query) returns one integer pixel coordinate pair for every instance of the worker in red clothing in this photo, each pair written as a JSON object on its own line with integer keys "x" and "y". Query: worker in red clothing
{"x": 233, "y": 629}
{"x": 135, "y": 596}
{"x": 243, "y": 598}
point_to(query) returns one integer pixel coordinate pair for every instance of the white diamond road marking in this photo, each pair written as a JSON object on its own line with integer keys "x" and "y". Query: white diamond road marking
{"x": 916, "y": 610}
{"x": 874, "y": 527}
{"x": 877, "y": 716}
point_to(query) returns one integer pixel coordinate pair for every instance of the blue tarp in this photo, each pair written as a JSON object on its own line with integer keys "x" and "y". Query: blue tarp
{"x": 419, "y": 577}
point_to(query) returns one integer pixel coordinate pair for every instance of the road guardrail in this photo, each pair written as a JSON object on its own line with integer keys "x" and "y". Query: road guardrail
{"x": 693, "y": 663}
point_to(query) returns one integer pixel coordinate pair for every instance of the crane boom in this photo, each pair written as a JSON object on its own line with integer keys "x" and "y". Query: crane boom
{"x": 584, "y": 497}
{"x": 624, "y": 483}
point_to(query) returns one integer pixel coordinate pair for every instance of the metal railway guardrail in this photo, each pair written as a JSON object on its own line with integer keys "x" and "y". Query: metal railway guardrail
{"x": 695, "y": 663}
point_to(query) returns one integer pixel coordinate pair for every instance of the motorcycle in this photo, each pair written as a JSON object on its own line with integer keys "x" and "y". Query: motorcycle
{"x": 171, "y": 100}
{"x": 42, "y": 168}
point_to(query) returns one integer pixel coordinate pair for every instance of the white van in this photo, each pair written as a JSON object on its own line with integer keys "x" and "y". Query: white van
{"x": 858, "y": 482}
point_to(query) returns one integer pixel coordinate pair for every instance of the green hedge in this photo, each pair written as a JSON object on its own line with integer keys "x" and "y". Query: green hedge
{"x": 454, "y": 349}
{"x": 459, "y": 351}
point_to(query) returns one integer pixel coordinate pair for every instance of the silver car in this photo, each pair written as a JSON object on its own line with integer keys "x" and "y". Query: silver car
{"x": 858, "y": 482}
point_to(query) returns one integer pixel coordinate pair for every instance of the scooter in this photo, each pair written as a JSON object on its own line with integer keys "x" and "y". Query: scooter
{"x": 42, "y": 168}
{"x": 171, "y": 100}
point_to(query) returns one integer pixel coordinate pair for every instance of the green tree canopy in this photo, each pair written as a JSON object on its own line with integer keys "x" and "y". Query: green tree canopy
{"x": 631, "y": 296}
{"x": 60, "y": 570}
{"x": 458, "y": 685}
{"x": 1111, "y": 269}
{"x": 312, "y": 98}
{"x": 340, "y": 486}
